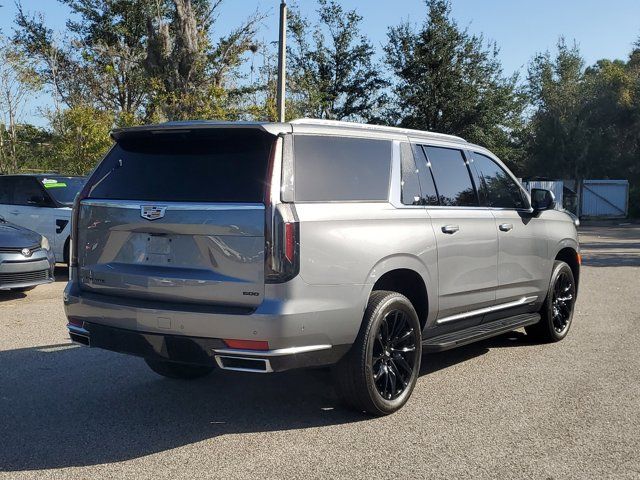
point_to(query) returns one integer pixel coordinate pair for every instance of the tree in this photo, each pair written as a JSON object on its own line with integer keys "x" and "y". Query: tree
{"x": 142, "y": 60}
{"x": 449, "y": 81}
{"x": 15, "y": 87}
{"x": 332, "y": 73}
{"x": 190, "y": 73}
{"x": 81, "y": 139}
{"x": 559, "y": 126}
{"x": 585, "y": 121}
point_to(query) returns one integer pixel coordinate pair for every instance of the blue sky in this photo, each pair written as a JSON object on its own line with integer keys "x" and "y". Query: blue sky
{"x": 520, "y": 27}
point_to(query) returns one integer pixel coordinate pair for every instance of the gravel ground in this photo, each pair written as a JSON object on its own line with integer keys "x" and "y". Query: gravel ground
{"x": 503, "y": 408}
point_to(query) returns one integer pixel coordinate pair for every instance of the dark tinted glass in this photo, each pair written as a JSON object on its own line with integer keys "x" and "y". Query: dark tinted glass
{"x": 221, "y": 165}
{"x": 411, "y": 194}
{"x": 497, "y": 188}
{"x": 27, "y": 191}
{"x": 452, "y": 177}
{"x": 341, "y": 169}
{"x": 429, "y": 195}
{"x": 5, "y": 190}
{"x": 62, "y": 189}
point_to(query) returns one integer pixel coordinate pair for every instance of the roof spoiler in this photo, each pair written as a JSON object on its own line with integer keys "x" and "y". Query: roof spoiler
{"x": 177, "y": 127}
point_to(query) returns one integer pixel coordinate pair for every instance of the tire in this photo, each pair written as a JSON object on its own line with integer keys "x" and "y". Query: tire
{"x": 557, "y": 310}
{"x": 22, "y": 289}
{"x": 380, "y": 370}
{"x": 181, "y": 371}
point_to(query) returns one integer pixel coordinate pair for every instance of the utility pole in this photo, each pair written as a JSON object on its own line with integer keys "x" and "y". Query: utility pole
{"x": 282, "y": 60}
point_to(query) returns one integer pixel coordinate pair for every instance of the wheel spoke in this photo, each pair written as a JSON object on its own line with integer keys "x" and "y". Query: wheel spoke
{"x": 392, "y": 382}
{"x": 401, "y": 338}
{"x": 409, "y": 348}
{"x": 399, "y": 360}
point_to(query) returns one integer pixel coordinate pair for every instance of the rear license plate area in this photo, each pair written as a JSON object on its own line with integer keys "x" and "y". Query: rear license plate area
{"x": 158, "y": 249}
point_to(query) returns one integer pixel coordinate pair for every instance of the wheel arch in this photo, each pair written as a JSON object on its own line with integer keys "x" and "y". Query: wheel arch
{"x": 569, "y": 254}
{"x": 409, "y": 276}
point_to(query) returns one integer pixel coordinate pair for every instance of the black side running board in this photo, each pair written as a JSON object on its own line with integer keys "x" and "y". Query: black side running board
{"x": 479, "y": 332}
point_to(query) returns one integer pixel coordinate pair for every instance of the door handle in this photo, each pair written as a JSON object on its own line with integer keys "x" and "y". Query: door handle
{"x": 14, "y": 212}
{"x": 450, "y": 229}
{"x": 505, "y": 227}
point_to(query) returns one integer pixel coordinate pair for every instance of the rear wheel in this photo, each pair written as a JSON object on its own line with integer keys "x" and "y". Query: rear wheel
{"x": 557, "y": 310}
{"x": 177, "y": 370}
{"x": 380, "y": 371}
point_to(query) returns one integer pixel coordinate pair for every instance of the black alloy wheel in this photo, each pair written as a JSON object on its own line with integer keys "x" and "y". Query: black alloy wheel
{"x": 393, "y": 356}
{"x": 380, "y": 371}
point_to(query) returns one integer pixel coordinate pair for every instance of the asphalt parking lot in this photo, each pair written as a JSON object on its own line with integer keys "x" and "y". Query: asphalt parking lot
{"x": 503, "y": 408}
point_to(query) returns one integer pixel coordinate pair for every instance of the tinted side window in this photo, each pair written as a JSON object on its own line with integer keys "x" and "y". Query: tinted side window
{"x": 340, "y": 168}
{"x": 411, "y": 194}
{"x": 27, "y": 191}
{"x": 429, "y": 194}
{"x": 497, "y": 188}
{"x": 5, "y": 190}
{"x": 452, "y": 177}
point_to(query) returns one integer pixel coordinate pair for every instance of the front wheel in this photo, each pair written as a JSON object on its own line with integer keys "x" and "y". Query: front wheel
{"x": 177, "y": 370}
{"x": 557, "y": 310}
{"x": 381, "y": 369}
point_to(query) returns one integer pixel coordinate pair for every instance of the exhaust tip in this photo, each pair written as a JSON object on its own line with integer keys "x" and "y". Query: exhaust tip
{"x": 243, "y": 364}
{"x": 81, "y": 339}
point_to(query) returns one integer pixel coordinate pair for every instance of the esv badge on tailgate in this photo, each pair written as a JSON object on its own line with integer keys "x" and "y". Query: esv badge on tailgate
{"x": 152, "y": 212}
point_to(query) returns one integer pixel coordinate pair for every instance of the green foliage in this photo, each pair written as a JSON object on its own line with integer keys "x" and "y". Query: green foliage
{"x": 129, "y": 62}
{"x": 81, "y": 139}
{"x": 450, "y": 81}
{"x": 332, "y": 74}
{"x": 586, "y": 121}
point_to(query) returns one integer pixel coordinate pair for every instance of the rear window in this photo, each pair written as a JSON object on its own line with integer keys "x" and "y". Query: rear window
{"x": 220, "y": 165}
{"x": 341, "y": 168}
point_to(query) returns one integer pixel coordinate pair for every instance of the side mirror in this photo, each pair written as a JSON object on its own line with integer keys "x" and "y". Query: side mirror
{"x": 542, "y": 199}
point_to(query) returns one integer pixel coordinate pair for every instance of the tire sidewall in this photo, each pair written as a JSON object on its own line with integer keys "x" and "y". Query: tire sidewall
{"x": 393, "y": 302}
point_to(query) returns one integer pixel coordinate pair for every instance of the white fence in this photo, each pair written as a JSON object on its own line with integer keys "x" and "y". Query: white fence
{"x": 605, "y": 198}
{"x": 598, "y": 198}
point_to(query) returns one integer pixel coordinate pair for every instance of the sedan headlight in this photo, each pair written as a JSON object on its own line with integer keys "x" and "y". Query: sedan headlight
{"x": 44, "y": 243}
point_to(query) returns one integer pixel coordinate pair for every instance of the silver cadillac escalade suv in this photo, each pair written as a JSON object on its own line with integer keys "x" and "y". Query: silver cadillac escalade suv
{"x": 263, "y": 247}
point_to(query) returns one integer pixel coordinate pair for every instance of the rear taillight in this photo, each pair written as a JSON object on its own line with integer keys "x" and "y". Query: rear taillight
{"x": 282, "y": 245}
{"x": 289, "y": 241}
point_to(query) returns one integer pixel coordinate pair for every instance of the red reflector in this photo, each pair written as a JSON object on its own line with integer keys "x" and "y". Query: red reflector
{"x": 75, "y": 322}
{"x": 289, "y": 241}
{"x": 247, "y": 344}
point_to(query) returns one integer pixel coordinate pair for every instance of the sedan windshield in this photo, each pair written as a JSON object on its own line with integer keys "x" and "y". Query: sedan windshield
{"x": 63, "y": 189}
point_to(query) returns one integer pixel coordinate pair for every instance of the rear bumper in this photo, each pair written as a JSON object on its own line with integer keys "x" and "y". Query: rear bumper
{"x": 202, "y": 351}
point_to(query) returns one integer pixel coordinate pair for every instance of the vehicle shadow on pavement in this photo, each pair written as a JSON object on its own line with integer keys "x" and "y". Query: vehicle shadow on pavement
{"x": 8, "y": 295}
{"x": 433, "y": 362}
{"x": 66, "y": 406}
{"x": 61, "y": 273}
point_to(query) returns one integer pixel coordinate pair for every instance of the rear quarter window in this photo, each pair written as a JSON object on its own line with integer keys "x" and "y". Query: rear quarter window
{"x": 331, "y": 168}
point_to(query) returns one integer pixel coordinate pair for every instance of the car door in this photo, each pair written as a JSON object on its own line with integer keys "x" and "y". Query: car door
{"x": 523, "y": 263}
{"x": 466, "y": 239}
{"x": 31, "y": 207}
